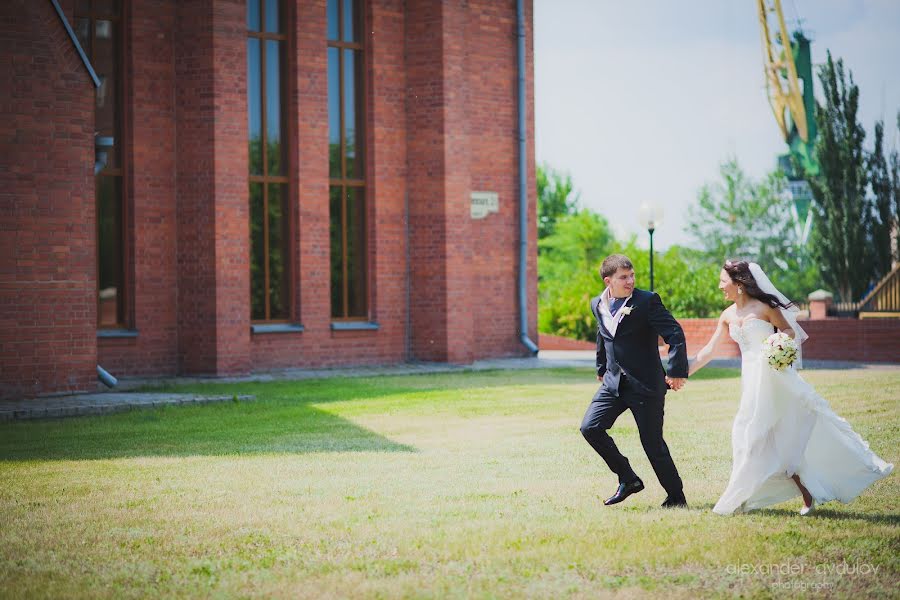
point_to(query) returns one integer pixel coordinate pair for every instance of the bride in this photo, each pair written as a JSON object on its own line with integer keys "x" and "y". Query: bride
{"x": 786, "y": 440}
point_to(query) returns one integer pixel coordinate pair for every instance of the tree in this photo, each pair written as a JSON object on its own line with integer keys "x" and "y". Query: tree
{"x": 574, "y": 245}
{"x": 555, "y": 198}
{"x": 741, "y": 218}
{"x": 686, "y": 279}
{"x": 578, "y": 243}
{"x": 895, "y": 186}
{"x": 843, "y": 213}
{"x": 885, "y": 216}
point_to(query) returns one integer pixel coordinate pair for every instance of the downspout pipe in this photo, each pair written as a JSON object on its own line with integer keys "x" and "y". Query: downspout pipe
{"x": 84, "y": 59}
{"x": 523, "y": 186}
{"x": 107, "y": 379}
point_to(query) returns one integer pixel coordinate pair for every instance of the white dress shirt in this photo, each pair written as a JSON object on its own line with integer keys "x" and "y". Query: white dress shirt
{"x": 609, "y": 321}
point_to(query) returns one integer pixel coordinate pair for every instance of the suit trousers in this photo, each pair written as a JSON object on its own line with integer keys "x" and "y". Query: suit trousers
{"x": 648, "y": 410}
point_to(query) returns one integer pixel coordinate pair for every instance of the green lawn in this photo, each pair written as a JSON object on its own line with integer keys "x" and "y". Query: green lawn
{"x": 429, "y": 486}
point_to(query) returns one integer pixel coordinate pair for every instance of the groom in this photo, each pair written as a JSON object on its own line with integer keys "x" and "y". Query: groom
{"x": 629, "y": 323}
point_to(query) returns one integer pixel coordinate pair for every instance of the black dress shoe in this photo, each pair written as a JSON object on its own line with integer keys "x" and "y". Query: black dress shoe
{"x": 625, "y": 490}
{"x": 678, "y": 501}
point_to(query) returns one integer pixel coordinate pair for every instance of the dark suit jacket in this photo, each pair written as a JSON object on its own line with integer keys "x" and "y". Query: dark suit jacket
{"x": 634, "y": 349}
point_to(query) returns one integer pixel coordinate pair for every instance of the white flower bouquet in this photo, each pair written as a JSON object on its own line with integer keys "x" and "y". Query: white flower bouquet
{"x": 780, "y": 351}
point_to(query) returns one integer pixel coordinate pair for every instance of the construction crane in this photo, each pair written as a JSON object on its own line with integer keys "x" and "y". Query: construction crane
{"x": 789, "y": 83}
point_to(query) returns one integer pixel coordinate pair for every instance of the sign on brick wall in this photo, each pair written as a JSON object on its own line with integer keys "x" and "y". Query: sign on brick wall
{"x": 484, "y": 203}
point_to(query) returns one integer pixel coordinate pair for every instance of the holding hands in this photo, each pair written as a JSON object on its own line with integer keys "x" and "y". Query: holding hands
{"x": 675, "y": 383}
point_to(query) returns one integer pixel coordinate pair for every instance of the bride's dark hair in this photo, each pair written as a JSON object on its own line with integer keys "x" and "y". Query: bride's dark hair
{"x": 739, "y": 271}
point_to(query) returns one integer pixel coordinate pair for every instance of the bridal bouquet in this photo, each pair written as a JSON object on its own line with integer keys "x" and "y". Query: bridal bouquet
{"x": 780, "y": 351}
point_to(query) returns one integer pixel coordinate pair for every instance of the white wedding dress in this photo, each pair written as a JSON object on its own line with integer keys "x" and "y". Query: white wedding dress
{"x": 784, "y": 427}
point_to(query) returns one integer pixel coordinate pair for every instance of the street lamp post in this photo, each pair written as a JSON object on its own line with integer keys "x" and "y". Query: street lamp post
{"x": 650, "y": 216}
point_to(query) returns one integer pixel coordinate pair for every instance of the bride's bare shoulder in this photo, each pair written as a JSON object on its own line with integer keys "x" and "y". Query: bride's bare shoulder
{"x": 728, "y": 315}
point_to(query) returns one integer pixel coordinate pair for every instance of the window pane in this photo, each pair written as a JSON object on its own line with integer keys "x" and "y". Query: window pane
{"x": 278, "y": 255}
{"x": 333, "y": 19}
{"x": 273, "y": 107}
{"x": 350, "y": 19}
{"x": 106, "y": 64}
{"x": 254, "y": 105}
{"x": 257, "y": 254}
{"x": 110, "y": 276}
{"x": 334, "y": 113}
{"x": 353, "y": 114}
{"x": 356, "y": 252}
{"x": 253, "y": 15}
{"x": 83, "y": 7}
{"x": 273, "y": 22}
{"x": 337, "y": 253}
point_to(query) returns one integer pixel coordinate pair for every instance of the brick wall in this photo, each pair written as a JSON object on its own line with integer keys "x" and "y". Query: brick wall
{"x": 869, "y": 340}
{"x": 212, "y": 187}
{"x": 555, "y": 342}
{"x": 875, "y": 340}
{"x": 150, "y": 194}
{"x": 698, "y": 331}
{"x": 441, "y": 103}
{"x": 491, "y": 67}
{"x": 462, "y": 129}
{"x": 47, "y": 226}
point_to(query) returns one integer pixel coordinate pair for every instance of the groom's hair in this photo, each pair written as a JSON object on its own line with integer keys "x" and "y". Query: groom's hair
{"x": 613, "y": 263}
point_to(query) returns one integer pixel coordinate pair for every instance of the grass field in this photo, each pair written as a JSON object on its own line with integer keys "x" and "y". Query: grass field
{"x": 428, "y": 486}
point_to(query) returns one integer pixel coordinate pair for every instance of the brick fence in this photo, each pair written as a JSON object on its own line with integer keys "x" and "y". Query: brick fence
{"x": 868, "y": 340}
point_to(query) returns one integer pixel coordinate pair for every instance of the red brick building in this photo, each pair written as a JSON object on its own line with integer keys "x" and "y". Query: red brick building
{"x": 289, "y": 184}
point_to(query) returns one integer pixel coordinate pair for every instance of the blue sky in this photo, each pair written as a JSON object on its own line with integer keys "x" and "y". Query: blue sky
{"x": 641, "y": 101}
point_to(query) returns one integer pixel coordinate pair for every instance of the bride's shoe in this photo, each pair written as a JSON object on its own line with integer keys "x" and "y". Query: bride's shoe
{"x": 807, "y": 509}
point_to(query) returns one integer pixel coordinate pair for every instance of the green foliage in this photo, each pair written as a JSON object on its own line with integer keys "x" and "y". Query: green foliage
{"x": 844, "y": 215}
{"x": 738, "y": 217}
{"x": 568, "y": 261}
{"x": 570, "y": 277}
{"x": 686, "y": 280}
{"x": 895, "y": 185}
{"x": 565, "y": 308}
{"x": 886, "y": 202}
{"x": 556, "y": 198}
{"x": 569, "y": 258}
{"x": 578, "y": 243}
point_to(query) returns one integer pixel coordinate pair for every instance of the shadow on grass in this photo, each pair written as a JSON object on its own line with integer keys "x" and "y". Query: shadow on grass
{"x": 820, "y": 513}
{"x": 287, "y": 417}
{"x": 230, "y": 428}
{"x": 834, "y": 515}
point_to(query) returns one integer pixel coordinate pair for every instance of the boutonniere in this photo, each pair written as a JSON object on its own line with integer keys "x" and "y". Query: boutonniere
{"x": 625, "y": 311}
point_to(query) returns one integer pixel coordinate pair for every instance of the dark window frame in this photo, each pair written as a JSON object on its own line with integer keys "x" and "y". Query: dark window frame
{"x": 359, "y": 183}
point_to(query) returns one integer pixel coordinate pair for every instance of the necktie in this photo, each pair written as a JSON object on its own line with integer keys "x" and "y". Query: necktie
{"x": 616, "y": 305}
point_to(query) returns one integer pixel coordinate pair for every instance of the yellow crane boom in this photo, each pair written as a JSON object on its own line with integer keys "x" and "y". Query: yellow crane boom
{"x": 782, "y": 83}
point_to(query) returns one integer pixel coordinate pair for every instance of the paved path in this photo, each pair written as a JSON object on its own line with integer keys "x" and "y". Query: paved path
{"x": 122, "y": 399}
